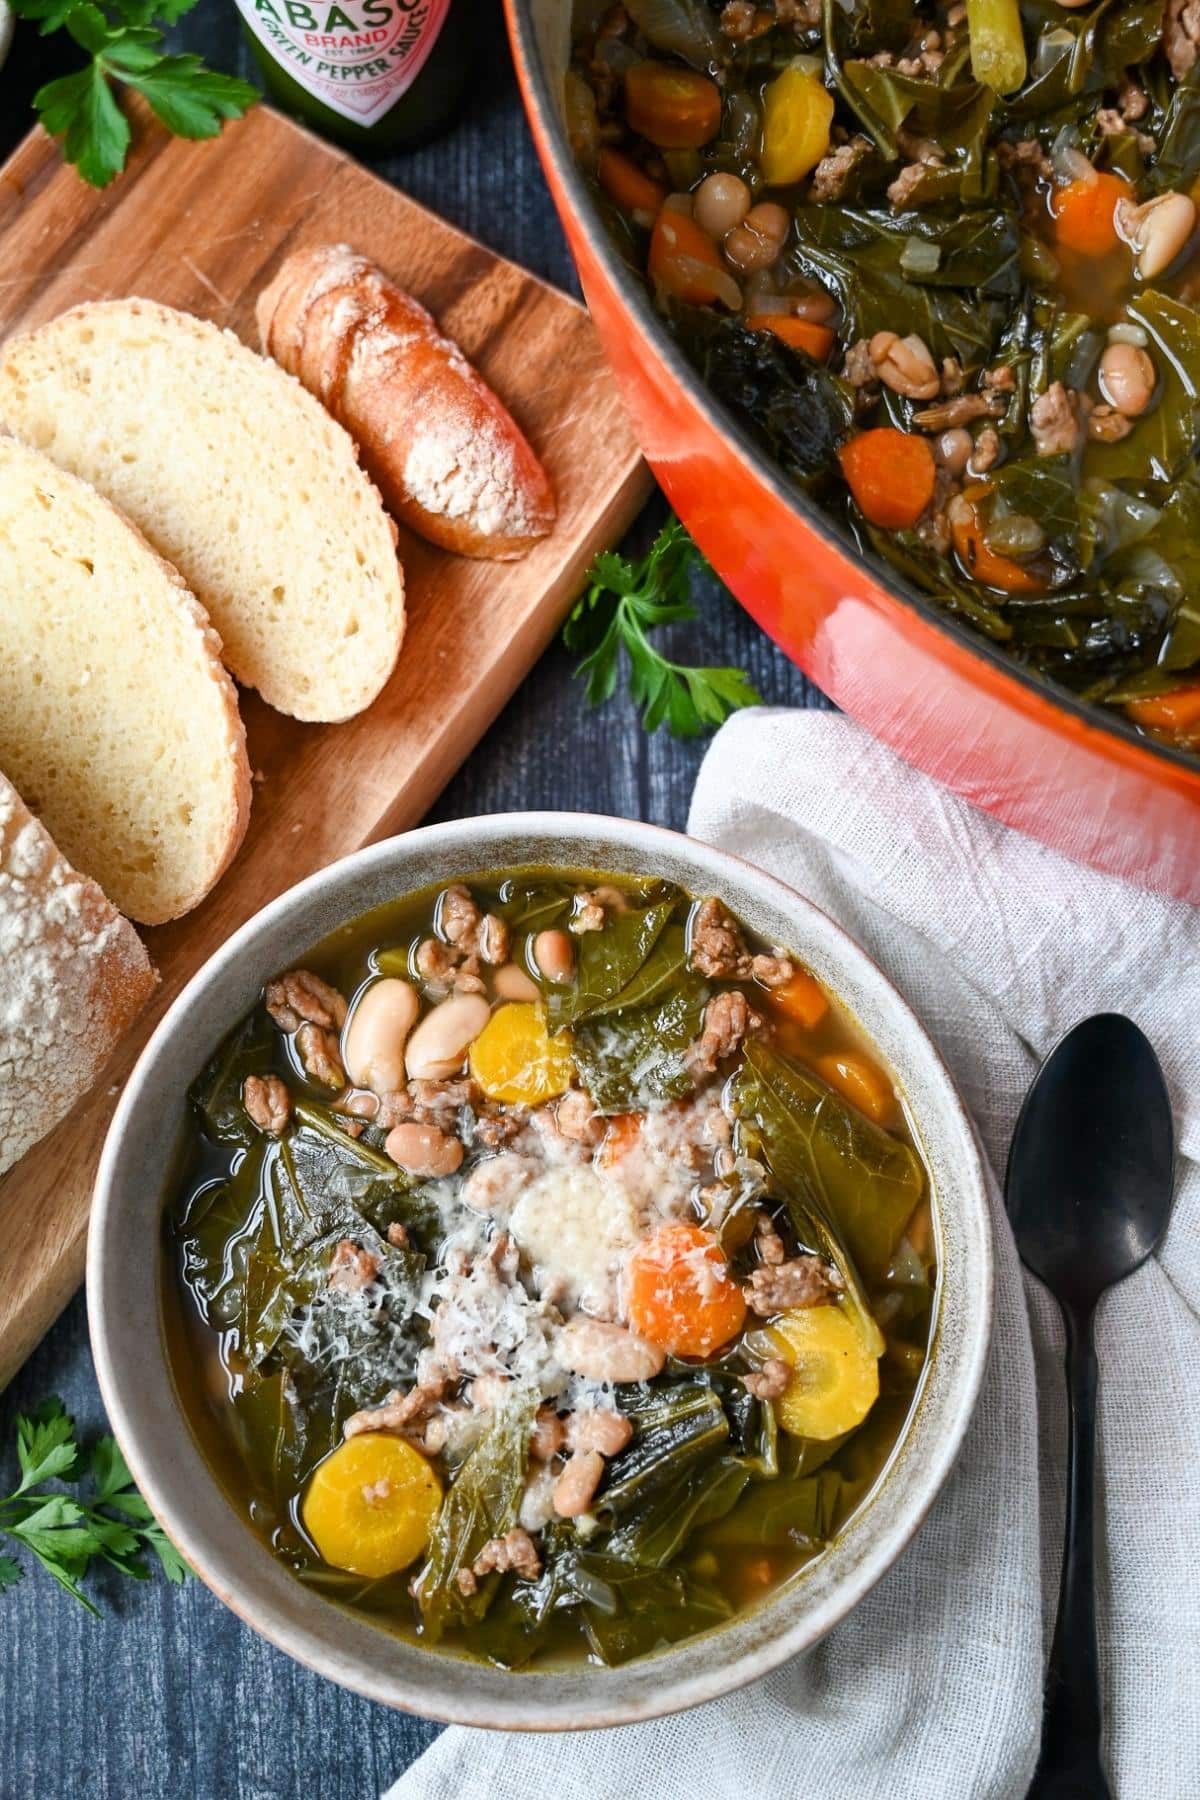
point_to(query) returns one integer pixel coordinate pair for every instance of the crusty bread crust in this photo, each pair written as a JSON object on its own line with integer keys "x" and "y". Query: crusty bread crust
{"x": 116, "y": 713}
{"x": 445, "y": 453}
{"x": 238, "y": 477}
{"x": 73, "y": 977}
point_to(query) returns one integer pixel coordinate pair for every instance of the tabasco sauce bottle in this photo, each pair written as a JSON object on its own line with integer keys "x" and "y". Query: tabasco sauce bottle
{"x": 371, "y": 74}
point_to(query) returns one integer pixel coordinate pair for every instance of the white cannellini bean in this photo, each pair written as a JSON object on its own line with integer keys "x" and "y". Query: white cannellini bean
{"x": 578, "y": 1482}
{"x": 554, "y": 954}
{"x": 1157, "y": 231}
{"x": 603, "y": 1352}
{"x": 440, "y": 1042}
{"x": 512, "y": 983}
{"x": 1127, "y": 379}
{"x": 423, "y": 1150}
{"x": 376, "y": 1032}
{"x": 952, "y": 449}
{"x": 757, "y": 241}
{"x": 720, "y": 202}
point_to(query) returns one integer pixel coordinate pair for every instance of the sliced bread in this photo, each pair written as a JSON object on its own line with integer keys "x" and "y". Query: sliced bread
{"x": 237, "y": 476}
{"x": 118, "y": 724}
{"x": 73, "y": 977}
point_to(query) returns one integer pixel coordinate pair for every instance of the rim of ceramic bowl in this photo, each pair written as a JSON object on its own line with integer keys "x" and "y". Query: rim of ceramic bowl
{"x": 539, "y": 100}
{"x": 7, "y": 21}
{"x": 125, "y": 1268}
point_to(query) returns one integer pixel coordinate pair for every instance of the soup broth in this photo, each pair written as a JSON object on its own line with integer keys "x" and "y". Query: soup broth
{"x": 949, "y": 283}
{"x": 551, "y": 1266}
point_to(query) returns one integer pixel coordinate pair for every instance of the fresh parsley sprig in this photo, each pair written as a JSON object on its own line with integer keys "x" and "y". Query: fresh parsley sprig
{"x": 123, "y": 41}
{"x": 625, "y": 601}
{"x": 65, "y": 1532}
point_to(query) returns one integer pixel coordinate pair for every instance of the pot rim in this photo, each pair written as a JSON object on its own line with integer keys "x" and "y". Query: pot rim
{"x": 1120, "y": 733}
{"x": 138, "y": 1391}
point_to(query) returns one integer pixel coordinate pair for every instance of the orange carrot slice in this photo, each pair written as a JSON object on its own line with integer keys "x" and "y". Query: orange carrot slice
{"x": 1178, "y": 711}
{"x": 680, "y": 1293}
{"x": 629, "y": 186}
{"x": 891, "y": 475}
{"x": 677, "y": 109}
{"x": 801, "y": 334}
{"x": 1083, "y": 213}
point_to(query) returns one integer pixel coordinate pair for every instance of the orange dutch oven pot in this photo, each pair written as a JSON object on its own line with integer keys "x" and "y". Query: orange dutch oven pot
{"x": 1076, "y": 777}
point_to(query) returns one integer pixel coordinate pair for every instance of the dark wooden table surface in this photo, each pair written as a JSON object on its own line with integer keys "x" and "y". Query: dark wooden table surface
{"x": 168, "y": 1694}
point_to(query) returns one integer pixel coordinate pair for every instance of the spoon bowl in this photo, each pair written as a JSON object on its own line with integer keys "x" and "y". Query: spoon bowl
{"x": 1090, "y": 1169}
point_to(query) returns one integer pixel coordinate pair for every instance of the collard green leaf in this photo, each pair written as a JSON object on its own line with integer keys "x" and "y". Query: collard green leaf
{"x": 796, "y": 410}
{"x": 922, "y": 566}
{"x": 954, "y": 114}
{"x": 217, "y": 1095}
{"x": 652, "y": 1607}
{"x": 673, "y": 1427}
{"x": 608, "y": 960}
{"x": 864, "y": 1181}
{"x": 626, "y": 1611}
{"x": 1177, "y": 540}
{"x": 640, "y": 1055}
{"x": 482, "y": 1503}
{"x": 974, "y": 249}
{"x": 1178, "y": 161}
{"x": 531, "y": 905}
{"x": 654, "y": 1535}
{"x": 1078, "y": 54}
{"x": 1044, "y": 488}
{"x": 217, "y": 1236}
{"x": 271, "y": 1428}
{"x": 873, "y": 26}
{"x": 1163, "y": 442}
{"x": 799, "y": 1512}
{"x": 664, "y": 965}
{"x": 875, "y": 295}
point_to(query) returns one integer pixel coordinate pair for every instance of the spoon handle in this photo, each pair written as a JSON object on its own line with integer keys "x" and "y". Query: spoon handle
{"x": 1069, "y": 1763}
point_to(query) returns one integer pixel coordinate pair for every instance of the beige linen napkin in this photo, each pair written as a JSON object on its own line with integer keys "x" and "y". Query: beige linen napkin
{"x": 932, "y": 1687}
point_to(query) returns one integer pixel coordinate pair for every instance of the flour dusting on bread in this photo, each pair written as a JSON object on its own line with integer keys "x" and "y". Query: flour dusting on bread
{"x": 73, "y": 977}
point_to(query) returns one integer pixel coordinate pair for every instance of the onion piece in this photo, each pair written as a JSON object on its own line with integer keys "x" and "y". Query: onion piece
{"x": 680, "y": 27}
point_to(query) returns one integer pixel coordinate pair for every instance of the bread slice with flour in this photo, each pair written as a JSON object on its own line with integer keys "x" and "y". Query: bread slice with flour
{"x": 73, "y": 977}
{"x": 237, "y": 476}
{"x": 118, "y": 724}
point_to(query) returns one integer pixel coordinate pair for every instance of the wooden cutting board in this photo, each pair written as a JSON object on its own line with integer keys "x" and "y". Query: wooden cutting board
{"x": 204, "y": 227}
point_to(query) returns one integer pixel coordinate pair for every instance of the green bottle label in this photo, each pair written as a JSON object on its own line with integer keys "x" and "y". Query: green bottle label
{"x": 357, "y": 57}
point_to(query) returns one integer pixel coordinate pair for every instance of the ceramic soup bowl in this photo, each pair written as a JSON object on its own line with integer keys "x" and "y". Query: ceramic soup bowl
{"x": 125, "y": 1283}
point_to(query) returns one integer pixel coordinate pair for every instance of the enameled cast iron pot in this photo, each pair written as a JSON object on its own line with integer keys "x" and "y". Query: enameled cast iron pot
{"x": 1079, "y": 778}
{"x": 125, "y": 1273}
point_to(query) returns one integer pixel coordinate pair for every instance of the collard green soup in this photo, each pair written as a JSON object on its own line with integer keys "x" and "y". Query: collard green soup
{"x": 941, "y": 261}
{"x": 554, "y": 1266}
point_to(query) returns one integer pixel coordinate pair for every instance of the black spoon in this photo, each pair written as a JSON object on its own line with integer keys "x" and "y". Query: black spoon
{"x": 1089, "y": 1188}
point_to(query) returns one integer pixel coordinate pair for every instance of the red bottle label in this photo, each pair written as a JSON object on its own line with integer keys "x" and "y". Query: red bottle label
{"x": 355, "y": 56}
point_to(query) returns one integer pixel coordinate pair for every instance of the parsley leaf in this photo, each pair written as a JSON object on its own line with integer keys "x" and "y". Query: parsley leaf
{"x": 64, "y": 1532}
{"x": 624, "y": 602}
{"x": 45, "y": 1445}
{"x": 81, "y": 110}
{"x": 191, "y": 101}
{"x": 124, "y": 41}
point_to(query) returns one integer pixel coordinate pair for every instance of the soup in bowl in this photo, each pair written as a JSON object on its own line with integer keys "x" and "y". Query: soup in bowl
{"x": 568, "y": 1249}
